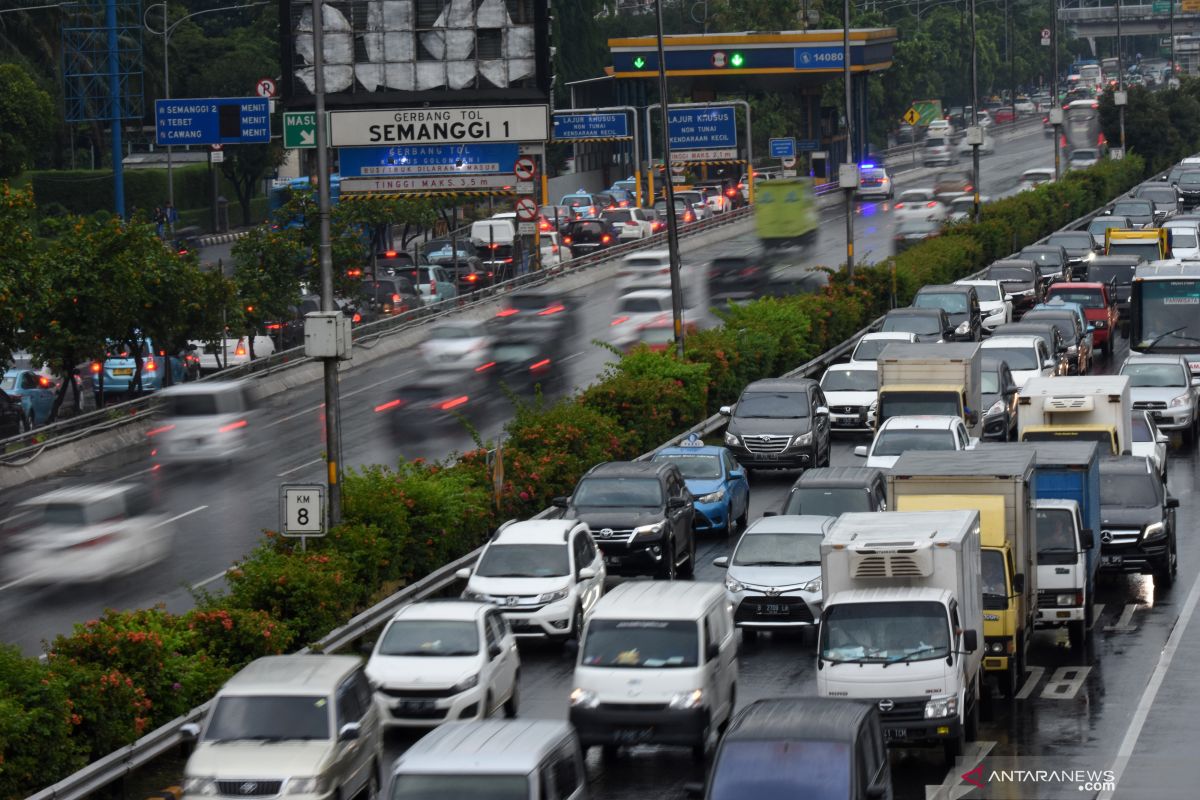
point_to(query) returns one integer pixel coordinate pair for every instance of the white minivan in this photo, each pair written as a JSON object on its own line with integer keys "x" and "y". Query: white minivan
{"x": 206, "y": 421}
{"x": 658, "y": 664}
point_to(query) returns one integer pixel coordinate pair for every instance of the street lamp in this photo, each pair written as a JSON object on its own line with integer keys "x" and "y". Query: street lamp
{"x": 166, "y": 32}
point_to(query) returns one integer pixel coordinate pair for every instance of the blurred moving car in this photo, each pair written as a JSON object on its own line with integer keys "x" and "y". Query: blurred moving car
{"x": 636, "y": 309}
{"x": 463, "y": 344}
{"x": 33, "y": 391}
{"x": 918, "y": 204}
{"x": 434, "y": 400}
{"x": 987, "y": 148}
{"x": 529, "y": 353}
{"x": 912, "y": 232}
{"x": 643, "y": 267}
{"x": 1083, "y": 158}
{"x": 737, "y": 276}
{"x": 962, "y": 208}
{"x": 206, "y": 421}
{"x": 229, "y": 352}
{"x": 1033, "y": 178}
{"x": 461, "y": 258}
{"x": 950, "y": 184}
{"x": 874, "y": 182}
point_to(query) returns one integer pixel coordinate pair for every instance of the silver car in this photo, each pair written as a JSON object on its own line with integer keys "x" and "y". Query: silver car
{"x": 1163, "y": 385}
{"x": 774, "y": 575}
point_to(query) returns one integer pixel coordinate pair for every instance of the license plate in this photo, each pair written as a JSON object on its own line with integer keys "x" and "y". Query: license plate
{"x": 414, "y": 705}
{"x": 612, "y": 560}
{"x": 123, "y": 371}
{"x": 844, "y": 422}
{"x": 894, "y": 734}
{"x": 772, "y": 608}
{"x": 633, "y": 735}
{"x": 1112, "y": 561}
{"x": 766, "y": 456}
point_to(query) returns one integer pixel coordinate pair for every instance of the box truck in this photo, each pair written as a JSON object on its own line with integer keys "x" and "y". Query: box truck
{"x": 1067, "y": 407}
{"x": 941, "y": 379}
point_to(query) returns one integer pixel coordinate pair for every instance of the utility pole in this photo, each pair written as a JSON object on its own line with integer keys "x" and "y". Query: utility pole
{"x": 1121, "y": 78}
{"x": 116, "y": 106}
{"x": 1055, "y": 108}
{"x": 669, "y": 187}
{"x": 333, "y": 416}
{"x": 975, "y": 132}
{"x": 848, "y": 175}
{"x": 1171, "y": 24}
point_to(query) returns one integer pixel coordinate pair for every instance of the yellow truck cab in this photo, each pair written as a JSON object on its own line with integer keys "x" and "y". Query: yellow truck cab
{"x": 1105, "y": 435}
{"x": 1153, "y": 244}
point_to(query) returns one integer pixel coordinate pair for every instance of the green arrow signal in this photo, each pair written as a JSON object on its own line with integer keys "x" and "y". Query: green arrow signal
{"x": 639, "y": 62}
{"x": 737, "y": 60}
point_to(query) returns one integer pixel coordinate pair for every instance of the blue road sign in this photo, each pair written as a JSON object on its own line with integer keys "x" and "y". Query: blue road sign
{"x": 214, "y": 120}
{"x": 703, "y": 128}
{"x": 590, "y": 126}
{"x": 818, "y": 57}
{"x": 808, "y": 144}
{"x": 783, "y": 148}
{"x": 428, "y": 159}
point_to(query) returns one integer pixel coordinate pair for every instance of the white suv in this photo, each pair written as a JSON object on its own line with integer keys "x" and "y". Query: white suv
{"x": 546, "y": 576}
{"x": 443, "y": 660}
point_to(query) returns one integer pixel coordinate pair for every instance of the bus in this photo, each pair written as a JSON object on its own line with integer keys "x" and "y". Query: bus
{"x": 283, "y": 192}
{"x": 1165, "y": 311}
{"x": 1090, "y": 75}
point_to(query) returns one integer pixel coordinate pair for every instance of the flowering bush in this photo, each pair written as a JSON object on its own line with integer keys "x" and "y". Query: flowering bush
{"x": 106, "y": 708}
{"x": 35, "y": 725}
{"x": 236, "y": 636}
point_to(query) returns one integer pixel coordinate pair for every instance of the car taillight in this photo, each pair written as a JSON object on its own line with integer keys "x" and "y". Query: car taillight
{"x": 455, "y": 403}
{"x": 605, "y": 239}
{"x": 898, "y": 205}
{"x": 545, "y": 362}
{"x": 163, "y": 429}
{"x": 618, "y": 321}
{"x": 95, "y": 541}
{"x": 233, "y": 426}
{"x": 390, "y": 254}
{"x": 356, "y": 318}
{"x": 432, "y": 286}
{"x": 388, "y": 406}
{"x": 689, "y": 217}
{"x": 748, "y": 271}
{"x": 354, "y": 272}
{"x": 567, "y": 240}
{"x": 968, "y": 188}
{"x": 273, "y": 326}
{"x": 96, "y": 367}
{"x": 730, "y": 192}
{"x": 545, "y": 312}
{"x": 471, "y": 278}
{"x": 554, "y": 248}
{"x": 485, "y": 367}
{"x": 240, "y": 350}
{"x": 43, "y": 381}
{"x": 395, "y": 298}
{"x": 931, "y": 204}
{"x": 506, "y": 312}
{"x": 150, "y": 365}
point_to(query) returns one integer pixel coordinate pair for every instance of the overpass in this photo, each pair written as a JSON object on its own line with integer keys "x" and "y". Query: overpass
{"x": 1092, "y": 20}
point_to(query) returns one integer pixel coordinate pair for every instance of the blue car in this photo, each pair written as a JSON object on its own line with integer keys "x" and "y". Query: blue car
{"x": 115, "y": 374}
{"x": 35, "y": 391}
{"x": 716, "y": 480}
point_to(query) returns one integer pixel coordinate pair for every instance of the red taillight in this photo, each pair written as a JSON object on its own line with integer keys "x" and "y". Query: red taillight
{"x": 273, "y": 326}
{"x": 554, "y": 248}
{"x": 455, "y": 403}
{"x": 507, "y": 312}
{"x": 605, "y": 239}
{"x": 163, "y": 429}
{"x": 689, "y": 217}
{"x": 730, "y": 192}
{"x": 395, "y": 298}
{"x": 747, "y": 271}
{"x": 150, "y": 365}
{"x": 354, "y": 273}
{"x": 485, "y": 367}
{"x": 356, "y": 318}
{"x": 931, "y": 204}
{"x": 472, "y": 278}
{"x": 240, "y": 351}
{"x": 566, "y": 240}
{"x": 545, "y": 312}
{"x": 387, "y": 406}
{"x": 96, "y": 367}
{"x": 43, "y": 381}
{"x": 390, "y": 254}
{"x": 432, "y": 286}
{"x": 619, "y": 320}
{"x": 233, "y": 426}
{"x": 968, "y": 188}
{"x": 545, "y": 362}
{"x": 543, "y": 225}
{"x": 898, "y": 205}
{"x": 493, "y": 246}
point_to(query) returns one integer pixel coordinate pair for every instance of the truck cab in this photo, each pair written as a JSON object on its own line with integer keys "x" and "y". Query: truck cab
{"x": 1152, "y": 244}
{"x": 926, "y": 379}
{"x": 1089, "y": 408}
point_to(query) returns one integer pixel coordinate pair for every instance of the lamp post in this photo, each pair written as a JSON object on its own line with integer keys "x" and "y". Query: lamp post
{"x": 1055, "y": 108}
{"x": 1121, "y": 79}
{"x": 976, "y": 137}
{"x": 669, "y": 188}
{"x": 848, "y": 169}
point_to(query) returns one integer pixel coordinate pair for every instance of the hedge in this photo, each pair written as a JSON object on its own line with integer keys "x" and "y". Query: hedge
{"x": 116, "y": 677}
{"x": 84, "y": 191}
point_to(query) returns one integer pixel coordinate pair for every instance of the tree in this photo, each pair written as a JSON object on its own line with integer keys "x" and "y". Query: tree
{"x": 27, "y": 118}
{"x": 18, "y": 253}
{"x": 246, "y": 165}
{"x": 268, "y": 267}
{"x": 755, "y": 15}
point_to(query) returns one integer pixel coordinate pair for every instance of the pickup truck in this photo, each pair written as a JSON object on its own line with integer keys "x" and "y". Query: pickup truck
{"x": 1099, "y": 306}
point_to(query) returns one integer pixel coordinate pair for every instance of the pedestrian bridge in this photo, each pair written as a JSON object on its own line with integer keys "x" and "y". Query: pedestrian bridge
{"x": 1093, "y": 19}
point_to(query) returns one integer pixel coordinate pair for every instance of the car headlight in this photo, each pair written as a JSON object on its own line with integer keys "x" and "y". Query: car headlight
{"x": 812, "y": 586}
{"x": 472, "y": 595}
{"x": 996, "y": 648}
{"x": 1065, "y": 599}
{"x": 734, "y": 585}
{"x": 206, "y": 787}
{"x": 802, "y": 439}
{"x": 469, "y": 682}
{"x": 937, "y": 707}
{"x": 997, "y": 312}
{"x": 996, "y": 408}
{"x": 307, "y": 785}
{"x": 583, "y": 698}
{"x": 1089, "y": 257}
{"x": 553, "y": 597}
{"x": 647, "y": 530}
{"x": 1100, "y": 323}
{"x": 686, "y": 700}
{"x": 1155, "y": 531}
{"x": 712, "y": 497}
{"x": 1182, "y": 400}
{"x": 963, "y": 328}
{"x": 732, "y": 439}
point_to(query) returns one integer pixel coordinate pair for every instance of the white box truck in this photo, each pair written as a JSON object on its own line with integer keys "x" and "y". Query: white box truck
{"x": 902, "y": 620}
{"x": 1094, "y": 408}
{"x": 941, "y": 379}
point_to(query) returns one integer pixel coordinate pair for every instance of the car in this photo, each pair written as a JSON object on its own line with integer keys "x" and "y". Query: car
{"x": 272, "y": 711}
{"x": 938, "y": 149}
{"x": 850, "y": 389}
{"x": 1048, "y": 332}
{"x": 1117, "y": 272}
{"x": 898, "y": 434}
{"x": 553, "y": 252}
{"x": 1188, "y": 184}
{"x": 874, "y": 181}
{"x": 1033, "y": 178}
{"x": 34, "y": 391}
{"x": 998, "y": 396}
{"x": 1024, "y": 105}
{"x": 962, "y": 208}
{"x": 1083, "y": 158}
{"x": 961, "y": 305}
{"x": 13, "y": 420}
{"x": 529, "y": 354}
{"x": 208, "y": 357}
{"x": 779, "y": 423}
{"x": 620, "y": 198}
{"x": 1076, "y": 335}
{"x": 1184, "y": 237}
{"x": 1003, "y": 116}
{"x": 950, "y": 184}
{"x": 716, "y": 198}
{"x": 994, "y": 306}
{"x": 658, "y": 334}
{"x": 545, "y": 575}
{"x": 1027, "y": 356}
{"x": 643, "y": 267}
{"x": 86, "y": 534}
{"x": 694, "y": 199}
{"x": 462, "y": 344}
{"x": 1138, "y": 519}
{"x": 1165, "y": 200}
{"x": 918, "y": 204}
{"x": 387, "y": 295}
{"x": 1099, "y": 307}
{"x": 461, "y": 258}
{"x": 871, "y": 344}
{"x": 581, "y": 203}
{"x": 1139, "y": 211}
{"x": 442, "y": 660}
{"x": 207, "y": 421}
{"x": 928, "y": 324}
{"x": 1080, "y": 248}
{"x": 1163, "y": 385}
{"x": 545, "y": 303}
{"x": 554, "y": 218}
{"x": 628, "y": 224}
{"x": 1097, "y": 227}
{"x": 114, "y": 375}
{"x": 684, "y": 213}
{"x": 737, "y": 276}
{"x": 641, "y": 516}
{"x": 1148, "y": 441}
{"x": 718, "y": 484}
{"x": 637, "y": 308}
{"x": 585, "y": 236}
{"x": 773, "y": 577}
{"x": 1051, "y": 258}
{"x": 911, "y": 232}
{"x": 1022, "y": 282}
{"x": 433, "y": 284}
{"x": 941, "y": 127}
{"x": 833, "y": 491}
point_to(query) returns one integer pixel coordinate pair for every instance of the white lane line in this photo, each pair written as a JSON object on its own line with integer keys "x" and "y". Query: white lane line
{"x": 22, "y": 579}
{"x": 362, "y": 389}
{"x": 178, "y": 517}
{"x": 1126, "y": 620}
{"x": 299, "y": 467}
{"x": 1035, "y": 675}
{"x": 572, "y": 356}
{"x": 1097, "y": 610}
{"x": 1125, "y": 752}
{"x": 133, "y": 475}
{"x": 207, "y": 581}
{"x": 1065, "y": 683}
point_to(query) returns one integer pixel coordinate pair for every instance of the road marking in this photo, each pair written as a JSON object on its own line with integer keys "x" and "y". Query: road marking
{"x": 1124, "y": 623}
{"x": 1065, "y": 683}
{"x": 1125, "y": 752}
{"x": 572, "y": 356}
{"x": 134, "y": 474}
{"x": 299, "y": 467}
{"x": 952, "y": 786}
{"x": 1097, "y": 610}
{"x": 362, "y": 389}
{"x": 207, "y": 581}
{"x": 22, "y": 579}
{"x": 178, "y": 517}
{"x": 1035, "y": 675}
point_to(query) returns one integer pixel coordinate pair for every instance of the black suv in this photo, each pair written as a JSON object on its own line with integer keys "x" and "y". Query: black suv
{"x": 1021, "y": 278}
{"x": 640, "y": 514}
{"x": 833, "y": 491}
{"x": 1053, "y": 260}
{"x": 927, "y": 324}
{"x": 737, "y": 276}
{"x": 1079, "y": 245}
{"x": 585, "y": 236}
{"x": 1137, "y": 520}
{"x": 779, "y": 423}
{"x": 529, "y": 353}
{"x": 961, "y": 304}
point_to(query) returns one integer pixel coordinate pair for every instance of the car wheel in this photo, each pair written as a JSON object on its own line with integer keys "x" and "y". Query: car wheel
{"x": 486, "y": 711}
{"x": 667, "y": 571}
{"x": 576, "y": 624}
{"x": 1164, "y": 572}
{"x": 514, "y": 700}
{"x": 688, "y": 570}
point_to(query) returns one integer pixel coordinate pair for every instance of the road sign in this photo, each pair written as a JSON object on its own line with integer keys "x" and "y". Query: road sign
{"x": 526, "y": 208}
{"x": 1116, "y": 153}
{"x": 677, "y": 179}
{"x": 426, "y": 183}
{"x": 788, "y": 163}
{"x": 590, "y": 126}
{"x": 524, "y": 187}
{"x": 782, "y": 148}
{"x": 299, "y": 129}
{"x": 435, "y": 159}
{"x": 526, "y": 228}
{"x": 525, "y": 168}
{"x": 216, "y": 156}
{"x": 223, "y": 120}
{"x": 265, "y": 87}
{"x": 439, "y": 126}
{"x": 1046, "y": 37}
{"x": 808, "y": 144}
{"x": 704, "y": 155}
{"x": 1190, "y": 6}
{"x": 302, "y": 509}
{"x": 1161, "y": 7}
{"x": 788, "y": 173}
{"x": 912, "y": 117}
{"x": 703, "y": 128}
{"x": 718, "y": 59}
{"x": 815, "y": 58}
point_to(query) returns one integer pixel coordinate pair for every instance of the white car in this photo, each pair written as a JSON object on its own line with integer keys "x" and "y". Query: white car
{"x": 1163, "y": 385}
{"x": 466, "y": 344}
{"x": 229, "y": 352}
{"x": 717, "y": 201}
{"x": 1083, "y": 158}
{"x": 898, "y": 434}
{"x": 644, "y": 267}
{"x": 630, "y": 224}
{"x": 918, "y": 204}
{"x": 1148, "y": 441}
{"x": 963, "y": 206}
{"x": 850, "y": 390}
{"x": 1023, "y": 105}
{"x": 545, "y": 575}
{"x": 1026, "y": 356}
{"x": 444, "y": 660}
{"x": 874, "y": 181}
{"x": 1033, "y": 178}
{"x": 554, "y": 252}
{"x": 939, "y": 127}
{"x": 206, "y": 422}
{"x": 1185, "y": 238}
{"x": 994, "y": 304}
{"x": 635, "y": 309}
{"x": 871, "y": 344}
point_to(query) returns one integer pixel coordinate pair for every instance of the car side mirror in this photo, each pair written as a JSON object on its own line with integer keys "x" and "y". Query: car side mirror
{"x": 494, "y": 651}
{"x": 861, "y": 451}
{"x": 1088, "y": 542}
{"x": 1019, "y": 582}
{"x": 694, "y": 789}
{"x": 721, "y": 561}
{"x": 463, "y": 574}
{"x": 1172, "y": 502}
{"x": 189, "y": 731}
{"x": 677, "y": 502}
{"x": 1049, "y": 363}
{"x": 725, "y": 411}
{"x": 349, "y": 732}
{"x": 586, "y": 573}
{"x": 1091, "y": 328}
{"x": 971, "y": 640}
{"x": 560, "y": 502}
{"x": 821, "y": 411}
{"x": 712, "y": 651}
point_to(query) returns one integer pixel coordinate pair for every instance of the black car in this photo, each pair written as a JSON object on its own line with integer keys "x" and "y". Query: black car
{"x": 927, "y": 324}
{"x": 1165, "y": 200}
{"x": 530, "y": 353}
{"x": 1051, "y": 258}
{"x": 779, "y": 423}
{"x": 461, "y": 258}
{"x": 1020, "y": 278}
{"x": 1079, "y": 245}
{"x": 1075, "y": 335}
{"x": 1137, "y": 520}
{"x": 640, "y": 514}
{"x": 436, "y": 401}
{"x": 833, "y": 491}
{"x": 737, "y": 276}
{"x": 961, "y": 304}
{"x": 1117, "y": 272}
{"x": 12, "y": 416}
{"x": 544, "y": 304}
{"x": 1189, "y": 187}
{"x": 998, "y": 397}
{"x": 1139, "y": 212}
{"x": 585, "y": 236}
{"x": 391, "y": 295}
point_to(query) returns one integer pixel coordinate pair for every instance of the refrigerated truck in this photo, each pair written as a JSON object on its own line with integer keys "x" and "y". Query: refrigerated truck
{"x": 1071, "y": 407}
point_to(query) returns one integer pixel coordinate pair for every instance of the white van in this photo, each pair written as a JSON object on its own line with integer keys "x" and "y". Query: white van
{"x": 658, "y": 664}
{"x": 492, "y": 759}
{"x": 205, "y": 421}
{"x": 494, "y": 231}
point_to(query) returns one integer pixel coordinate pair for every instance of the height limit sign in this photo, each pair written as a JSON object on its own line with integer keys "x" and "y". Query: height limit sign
{"x": 302, "y": 509}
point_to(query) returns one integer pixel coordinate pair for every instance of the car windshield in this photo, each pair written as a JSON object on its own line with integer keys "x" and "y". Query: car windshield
{"x": 772, "y": 405}
{"x": 69, "y": 515}
{"x": 1088, "y": 298}
{"x": 1157, "y": 375}
{"x": 1104, "y": 273}
{"x": 869, "y": 349}
{"x": 849, "y": 380}
{"x": 827, "y": 502}
{"x": 922, "y": 325}
{"x": 987, "y": 292}
{"x": 8, "y": 383}
{"x": 1071, "y": 241}
{"x": 617, "y": 215}
{"x": 895, "y": 441}
{"x": 1055, "y": 531}
{"x": 1101, "y": 224}
{"x": 430, "y": 637}
{"x": 1065, "y": 327}
{"x": 1084, "y": 155}
{"x": 509, "y": 352}
{"x": 778, "y": 550}
{"x": 619, "y": 493}
{"x": 645, "y": 644}
{"x": 885, "y": 632}
{"x": 641, "y": 305}
{"x": 697, "y": 466}
{"x": 577, "y": 200}
{"x": 474, "y": 786}
{"x": 268, "y": 718}
{"x": 1019, "y": 274}
{"x": 524, "y": 561}
{"x": 911, "y": 227}
{"x": 1038, "y": 176}
{"x": 873, "y": 175}
{"x": 1048, "y": 257}
{"x": 783, "y": 770}
{"x": 1159, "y": 194}
{"x": 913, "y": 196}
{"x": 1018, "y": 358}
{"x": 190, "y": 405}
{"x": 1189, "y": 178}
{"x": 1129, "y": 489}
{"x": 1182, "y": 238}
{"x": 1132, "y": 208}
{"x": 953, "y": 302}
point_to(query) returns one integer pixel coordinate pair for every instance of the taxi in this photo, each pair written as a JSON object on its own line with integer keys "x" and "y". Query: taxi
{"x": 35, "y": 391}
{"x": 717, "y": 482}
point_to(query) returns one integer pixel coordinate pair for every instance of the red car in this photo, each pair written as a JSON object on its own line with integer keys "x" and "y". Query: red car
{"x": 1099, "y": 308}
{"x": 1002, "y": 115}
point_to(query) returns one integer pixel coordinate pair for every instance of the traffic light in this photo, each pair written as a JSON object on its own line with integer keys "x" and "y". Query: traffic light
{"x": 639, "y": 62}
{"x": 737, "y": 60}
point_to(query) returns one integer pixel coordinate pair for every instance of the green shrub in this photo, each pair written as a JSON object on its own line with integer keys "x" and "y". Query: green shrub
{"x": 107, "y": 709}
{"x": 237, "y": 636}
{"x": 36, "y": 725}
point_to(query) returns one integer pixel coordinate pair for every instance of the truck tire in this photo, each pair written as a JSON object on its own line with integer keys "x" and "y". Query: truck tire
{"x": 971, "y": 722}
{"x": 1077, "y": 633}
